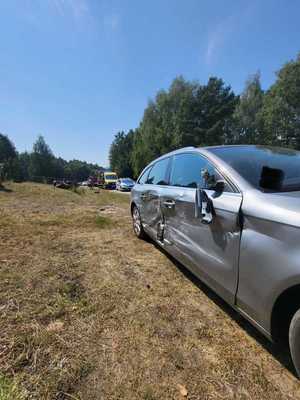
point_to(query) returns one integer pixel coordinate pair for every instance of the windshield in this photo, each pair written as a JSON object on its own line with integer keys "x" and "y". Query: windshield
{"x": 128, "y": 181}
{"x": 269, "y": 169}
{"x": 111, "y": 176}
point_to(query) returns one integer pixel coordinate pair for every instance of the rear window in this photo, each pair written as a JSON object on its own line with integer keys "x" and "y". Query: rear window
{"x": 270, "y": 169}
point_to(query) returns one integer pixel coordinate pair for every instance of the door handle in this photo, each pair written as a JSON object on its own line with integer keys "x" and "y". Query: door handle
{"x": 169, "y": 203}
{"x": 144, "y": 196}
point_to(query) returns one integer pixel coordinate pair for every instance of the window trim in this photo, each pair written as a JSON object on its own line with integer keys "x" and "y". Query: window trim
{"x": 145, "y": 171}
{"x": 232, "y": 185}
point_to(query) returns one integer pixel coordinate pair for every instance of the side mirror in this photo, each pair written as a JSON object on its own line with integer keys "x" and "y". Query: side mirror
{"x": 210, "y": 181}
{"x": 219, "y": 186}
{"x": 203, "y": 206}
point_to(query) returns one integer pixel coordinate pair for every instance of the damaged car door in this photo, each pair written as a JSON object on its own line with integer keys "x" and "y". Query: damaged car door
{"x": 151, "y": 212}
{"x": 206, "y": 234}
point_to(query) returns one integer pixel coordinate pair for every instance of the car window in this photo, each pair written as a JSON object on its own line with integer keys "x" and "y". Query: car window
{"x": 267, "y": 168}
{"x": 187, "y": 171}
{"x": 158, "y": 173}
{"x": 144, "y": 177}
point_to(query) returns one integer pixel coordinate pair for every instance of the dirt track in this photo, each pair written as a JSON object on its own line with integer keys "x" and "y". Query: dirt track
{"x": 90, "y": 312}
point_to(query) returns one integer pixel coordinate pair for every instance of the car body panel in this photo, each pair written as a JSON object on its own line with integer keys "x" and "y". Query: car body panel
{"x": 270, "y": 253}
{"x": 249, "y": 254}
{"x": 151, "y": 205}
{"x": 211, "y": 250}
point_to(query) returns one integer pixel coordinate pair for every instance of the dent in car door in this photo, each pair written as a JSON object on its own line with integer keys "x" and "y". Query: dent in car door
{"x": 210, "y": 250}
{"x": 150, "y": 197}
{"x": 151, "y": 212}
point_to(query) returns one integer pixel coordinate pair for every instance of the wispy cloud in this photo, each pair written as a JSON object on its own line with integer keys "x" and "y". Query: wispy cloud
{"x": 217, "y": 39}
{"x": 223, "y": 31}
{"x": 76, "y": 8}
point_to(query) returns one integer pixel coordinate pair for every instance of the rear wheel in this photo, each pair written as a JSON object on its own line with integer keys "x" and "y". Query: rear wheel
{"x": 294, "y": 341}
{"x": 137, "y": 223}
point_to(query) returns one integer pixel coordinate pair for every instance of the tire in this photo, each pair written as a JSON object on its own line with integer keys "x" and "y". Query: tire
{"x": 137, "y": 224}
{"x": 294, "y": 341}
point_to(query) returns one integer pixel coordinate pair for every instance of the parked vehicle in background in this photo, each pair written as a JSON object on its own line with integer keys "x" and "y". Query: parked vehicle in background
{"x": 125, "y": 184}
{"x": 63, "y": 184}
{"x": 231, "y": 214}
{"x": 108, "y": 180}
{"x": 84, "y": 183}
{"x": 93, "y": 181}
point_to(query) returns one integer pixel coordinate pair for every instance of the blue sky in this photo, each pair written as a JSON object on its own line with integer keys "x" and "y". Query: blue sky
{"x": 77, "y": 71}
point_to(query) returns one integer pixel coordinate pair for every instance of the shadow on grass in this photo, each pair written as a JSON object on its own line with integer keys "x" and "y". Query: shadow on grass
{"x": 4, "y": 189}
{"x": 278, "y": 351}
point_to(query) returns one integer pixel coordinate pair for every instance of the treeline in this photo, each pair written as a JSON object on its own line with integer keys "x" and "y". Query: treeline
{"x": 191, "y": 114}
{"x": 40, "y": 165}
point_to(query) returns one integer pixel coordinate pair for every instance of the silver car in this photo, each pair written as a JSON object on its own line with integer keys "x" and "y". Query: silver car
{"x": 125, "y": 184}
{"x": 231, "y": 214}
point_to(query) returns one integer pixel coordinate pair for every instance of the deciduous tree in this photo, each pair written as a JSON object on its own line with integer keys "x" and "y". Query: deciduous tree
{"x": 7, "y": 155}
{"x": 188, "y": 114}
{"x": 120, "y": 154}
{"x": 247, "y": 118}
{"x": 281, "y": 108}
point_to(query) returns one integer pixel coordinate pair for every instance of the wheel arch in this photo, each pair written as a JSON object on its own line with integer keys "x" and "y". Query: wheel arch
{"x": 285, "y": 306}
{"x": 132, "y": 205}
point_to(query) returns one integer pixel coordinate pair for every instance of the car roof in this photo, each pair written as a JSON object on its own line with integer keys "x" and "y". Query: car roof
{"x": 222, "y": 146}
{"x": 207, "y": 148}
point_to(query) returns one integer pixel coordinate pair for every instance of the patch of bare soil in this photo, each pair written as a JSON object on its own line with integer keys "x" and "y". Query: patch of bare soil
{"x": 88, "y": 311}
{"x": 110, "y": 210}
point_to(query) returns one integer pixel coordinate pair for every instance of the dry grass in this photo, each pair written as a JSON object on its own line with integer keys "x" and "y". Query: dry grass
{"x": 90, "y": 312}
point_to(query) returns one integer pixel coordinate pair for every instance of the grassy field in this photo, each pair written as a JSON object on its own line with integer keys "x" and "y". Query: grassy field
{"x": 90, "y": 312}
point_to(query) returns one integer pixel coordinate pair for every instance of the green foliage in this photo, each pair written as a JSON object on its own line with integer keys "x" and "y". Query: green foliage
{"x": 7, "y": 149}
{"x": 247, "y": 120}
{"x": 103, "y": 222}
{"x": 188, "y": 114}
{"x": 281, "y": 107}
{"x": 41, "y": 165}
{"x": 7, "y": 156}
{"x": 20, "y": 167}
{"x": 9, "y": 390}
{"x": 41, "y": 160}
{"x": 120, "y": 154}
{"x": 79, "y": 170}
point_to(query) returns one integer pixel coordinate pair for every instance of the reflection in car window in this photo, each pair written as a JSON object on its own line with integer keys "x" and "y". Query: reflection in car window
{"x": 187, "y": 171}
{"x": 266, "y": 168}
{"x": 157, "y": 175}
